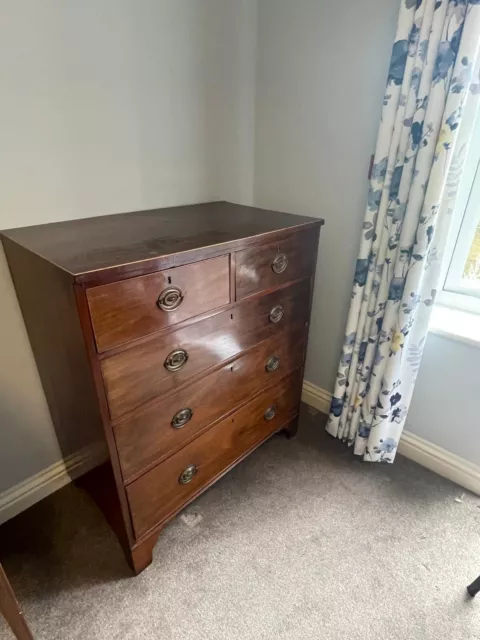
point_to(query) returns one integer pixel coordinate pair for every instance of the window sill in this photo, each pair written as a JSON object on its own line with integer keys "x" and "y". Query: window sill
{"x": 456, "y": 325}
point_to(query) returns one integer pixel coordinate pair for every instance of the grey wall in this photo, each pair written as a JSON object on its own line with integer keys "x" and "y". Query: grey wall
{"x": 321, "y": 71}
{"x": 444, "y": 407}
{"x": 111, "y": 106}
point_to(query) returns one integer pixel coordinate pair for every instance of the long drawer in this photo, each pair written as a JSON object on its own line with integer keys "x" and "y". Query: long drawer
{"x": 156, "y": 430}
{"x": 163, "y": 490}
{"x": 145, "y": 371}
{"x": 129, "y": 309}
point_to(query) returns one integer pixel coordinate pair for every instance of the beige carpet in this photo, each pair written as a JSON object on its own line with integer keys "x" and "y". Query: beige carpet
{"x": 300, "y": 541}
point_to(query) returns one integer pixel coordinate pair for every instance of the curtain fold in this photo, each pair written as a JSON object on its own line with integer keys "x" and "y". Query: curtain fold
{"x": 417, "y": 165}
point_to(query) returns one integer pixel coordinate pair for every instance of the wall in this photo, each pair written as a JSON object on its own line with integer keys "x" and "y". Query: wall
{"x": 111, "y": 106}
{"x": 444, "y": 407}
{"x": 321, "y": 72}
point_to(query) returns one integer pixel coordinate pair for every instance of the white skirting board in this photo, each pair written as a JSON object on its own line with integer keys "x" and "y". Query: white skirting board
{"x": 446, "y": 464}
{"x": 39, "y": 486}
{"x": 42, "y": 484}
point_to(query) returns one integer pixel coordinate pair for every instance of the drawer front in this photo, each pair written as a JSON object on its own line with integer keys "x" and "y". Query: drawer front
{"x": 129, "y": 309}
{"x": 164, "y": 489}
{"x": 271, "y": 265}
{"x": 155, "y": 431}
{"x": 145, "y": 371}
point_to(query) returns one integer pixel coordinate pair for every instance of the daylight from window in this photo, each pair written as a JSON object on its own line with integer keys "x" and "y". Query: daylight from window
{"x": 471, "y": 271}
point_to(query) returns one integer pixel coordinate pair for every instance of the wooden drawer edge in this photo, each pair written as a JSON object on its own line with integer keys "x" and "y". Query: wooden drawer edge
{"x": 106, "y": 275}
{"x": 202, "y": 374}
{"x": 177, "y": 510}
{"x": 204, "y": 316}
{"x": 116, "y": 322}
{"x": 132, "y": 478}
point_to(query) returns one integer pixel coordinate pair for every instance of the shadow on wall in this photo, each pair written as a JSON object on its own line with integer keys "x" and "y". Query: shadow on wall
{"x": 27, "y": 438}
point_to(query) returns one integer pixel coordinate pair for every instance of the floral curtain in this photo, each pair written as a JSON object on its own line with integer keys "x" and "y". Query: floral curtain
{"x": 418, "y": 159}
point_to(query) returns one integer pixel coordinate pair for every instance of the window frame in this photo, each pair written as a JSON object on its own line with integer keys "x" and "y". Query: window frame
{"x": 466, "y": 217}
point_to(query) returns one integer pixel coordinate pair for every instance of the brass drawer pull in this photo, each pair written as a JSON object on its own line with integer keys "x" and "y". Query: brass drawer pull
{"x": 188, "y": 474}
{"x": 170, "y": 299}
{"x": 181, "y": 418}
{"x": 175, "y": 360}
{"x": 272, "y": 364}
{"x": 280, "y": 263}
{"x": 276, "y": 314}
{"x": 270, "y": 412}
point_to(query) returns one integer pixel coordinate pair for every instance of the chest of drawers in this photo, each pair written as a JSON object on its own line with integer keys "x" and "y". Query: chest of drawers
{"x": 176, "y": 336}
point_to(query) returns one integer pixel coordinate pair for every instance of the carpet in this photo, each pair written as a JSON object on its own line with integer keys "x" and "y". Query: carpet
{"x": 299, "y": 541}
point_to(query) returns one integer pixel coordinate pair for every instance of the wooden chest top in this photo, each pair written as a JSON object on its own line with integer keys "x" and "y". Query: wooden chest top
{"x": 144, "y": 241}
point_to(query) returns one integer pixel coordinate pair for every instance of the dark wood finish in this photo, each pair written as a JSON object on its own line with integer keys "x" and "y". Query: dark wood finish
{"x": 292, "y": 428}
{"x": 147, "y": 436}
{"x": 141, "y": 554}
{"x": 107, "y": 273}
{"x": 125, "y": 310}
{"x": 156, "y": 494}
{"x": 48, "y": 305}
{"x": 106, "y": 488}
{"x": 10, "y": 609}
{"x": 126, "y": 244}
{"x": 138, "y": 374}
{"x": 254, "y": 266}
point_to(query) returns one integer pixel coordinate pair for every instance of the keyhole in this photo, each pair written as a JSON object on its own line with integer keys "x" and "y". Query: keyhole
{"x": 169, "y": 280}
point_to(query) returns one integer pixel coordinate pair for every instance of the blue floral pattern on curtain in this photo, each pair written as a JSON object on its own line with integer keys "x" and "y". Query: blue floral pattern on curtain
{"x": 418, "y": 159}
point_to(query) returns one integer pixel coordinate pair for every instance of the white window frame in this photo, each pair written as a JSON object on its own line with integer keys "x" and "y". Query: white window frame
{"x": 455, "y": 293}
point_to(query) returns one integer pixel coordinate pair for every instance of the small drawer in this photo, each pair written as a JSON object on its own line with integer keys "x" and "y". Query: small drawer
{"x": 161, "y": 492}
{"x": 147, "y": 370}
{"x": 153, "y": 432}
{"x": 271, "y": 265}
{"x": 129, "y": 309}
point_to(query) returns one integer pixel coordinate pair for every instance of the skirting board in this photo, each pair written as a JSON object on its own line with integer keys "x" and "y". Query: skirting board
{"x": 42, "y": 484}
{"x": 39, "y": 486}
{"x": 427, "y": 454}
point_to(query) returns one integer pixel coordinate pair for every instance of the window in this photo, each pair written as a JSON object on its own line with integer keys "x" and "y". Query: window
{"x": 461, "y": 269}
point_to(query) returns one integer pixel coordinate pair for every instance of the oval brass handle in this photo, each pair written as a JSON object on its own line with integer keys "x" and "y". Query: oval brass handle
{"x": 272, "y": 363}
{"x": 170, "y": 299}
{"x": 188, "y": 474}
{"x": 175, "y": 360}
{"x": 181, "y": 418}
{"x": 270, "y": 412}
{"x": 280, "y": 263}
{"x": 276, "y": 314}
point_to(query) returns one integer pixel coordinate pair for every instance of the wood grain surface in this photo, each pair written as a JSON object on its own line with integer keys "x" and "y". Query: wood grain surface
{"x": 123, "y": 242}
{"x": 123, "y": 311}
{"x": 156, "y": 494}
{"x": 138, "y": 374}
{"x": 254, "y": 266}
{"x": 10, "y": 609}
{"x": 147, "y": 436}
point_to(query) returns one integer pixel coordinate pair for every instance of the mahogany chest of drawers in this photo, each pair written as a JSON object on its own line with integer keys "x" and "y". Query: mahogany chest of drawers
{"x": 177, "y": 336}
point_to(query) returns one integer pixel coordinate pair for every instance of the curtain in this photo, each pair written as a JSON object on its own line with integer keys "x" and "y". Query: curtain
{"x": 433, "y": 78}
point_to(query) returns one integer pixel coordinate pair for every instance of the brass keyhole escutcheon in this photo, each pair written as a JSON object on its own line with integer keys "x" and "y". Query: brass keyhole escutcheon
{"x": 170, "y": 299}
{"x": 270, "y": 412}
{"x": 276, "y": 314}
{"x": 175, "y": 360}
{"x": 181, "y": 418}
{"x": 279, "y": 263}
{"x": 272, "y": 363}
{"x": 188, "y": 474}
